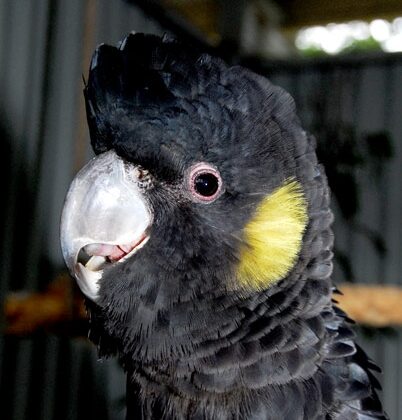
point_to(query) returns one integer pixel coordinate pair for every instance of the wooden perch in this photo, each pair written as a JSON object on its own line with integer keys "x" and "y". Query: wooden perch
{"x": 376, "y": 306}
{"x": 61, "y": 309}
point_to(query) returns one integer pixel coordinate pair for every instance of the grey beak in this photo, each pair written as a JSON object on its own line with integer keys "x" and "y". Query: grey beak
{"x": 104, "y": 210}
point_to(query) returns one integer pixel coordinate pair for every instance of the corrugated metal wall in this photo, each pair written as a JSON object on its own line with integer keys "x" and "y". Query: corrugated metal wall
{"x": 45, "y": 46}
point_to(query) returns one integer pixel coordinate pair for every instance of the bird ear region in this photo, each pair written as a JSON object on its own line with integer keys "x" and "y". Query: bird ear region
{"x": 273, "y": 237}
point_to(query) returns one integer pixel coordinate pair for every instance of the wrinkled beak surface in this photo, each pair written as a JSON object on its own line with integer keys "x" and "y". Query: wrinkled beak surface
{"x": 105, "y": 219}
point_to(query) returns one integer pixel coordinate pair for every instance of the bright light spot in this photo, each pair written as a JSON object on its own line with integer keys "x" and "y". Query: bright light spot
{"x": 315, "y": 33}
{"x": 380, "y": 29}
{"x": 393, "y": 44}
{"x": 359, "y": 30}
{"x": 302, "y": 42}
{"x": 310, "y": 37}
{"x": 334, "y": 38}
{"x": 397, "y": 25}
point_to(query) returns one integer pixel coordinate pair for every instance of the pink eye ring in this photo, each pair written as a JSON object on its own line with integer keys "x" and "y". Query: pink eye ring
{"x": 205, "y": 182}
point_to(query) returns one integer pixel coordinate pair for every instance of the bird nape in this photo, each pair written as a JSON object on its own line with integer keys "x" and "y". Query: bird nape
{"x": 201, "y": 237}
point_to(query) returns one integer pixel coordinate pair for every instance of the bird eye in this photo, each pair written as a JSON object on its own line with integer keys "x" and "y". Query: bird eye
{"x": 205, "y": 182}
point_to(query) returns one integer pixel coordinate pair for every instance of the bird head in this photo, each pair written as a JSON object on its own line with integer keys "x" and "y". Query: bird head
{"x": 200, "y": 197}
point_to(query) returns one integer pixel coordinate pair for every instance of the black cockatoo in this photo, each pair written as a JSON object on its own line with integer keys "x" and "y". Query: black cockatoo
{"x": 201, "y": 237}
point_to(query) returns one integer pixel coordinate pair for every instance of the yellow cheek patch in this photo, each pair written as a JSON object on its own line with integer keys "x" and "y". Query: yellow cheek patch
{"x": 273, "y": 237}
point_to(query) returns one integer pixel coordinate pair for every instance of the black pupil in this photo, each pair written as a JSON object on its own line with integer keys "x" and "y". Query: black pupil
{"x": 206, "y": 184}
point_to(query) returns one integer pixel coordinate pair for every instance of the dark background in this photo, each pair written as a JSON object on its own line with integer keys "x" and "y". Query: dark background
{"x": 353, "y": 103}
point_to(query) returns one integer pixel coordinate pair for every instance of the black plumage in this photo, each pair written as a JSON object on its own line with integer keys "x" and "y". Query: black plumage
{"x": 193, "y": 345}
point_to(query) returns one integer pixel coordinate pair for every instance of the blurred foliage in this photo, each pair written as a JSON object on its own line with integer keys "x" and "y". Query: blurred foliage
{"x": 356, "y": 46}
{"x": 363, "y": 45}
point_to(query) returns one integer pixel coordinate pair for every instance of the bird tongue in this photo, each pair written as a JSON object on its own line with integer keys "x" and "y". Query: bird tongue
{"x": 112, "y": 252}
